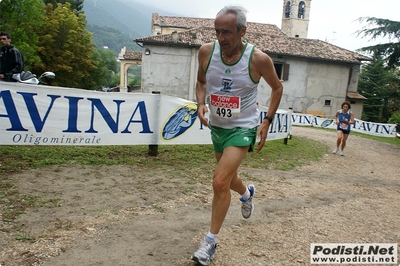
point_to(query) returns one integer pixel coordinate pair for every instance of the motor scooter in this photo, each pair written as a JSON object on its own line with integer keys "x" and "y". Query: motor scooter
{"x": 29, "y": 78}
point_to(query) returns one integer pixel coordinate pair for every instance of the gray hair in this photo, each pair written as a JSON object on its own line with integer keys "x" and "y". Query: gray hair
{"x": 240, "y": 13}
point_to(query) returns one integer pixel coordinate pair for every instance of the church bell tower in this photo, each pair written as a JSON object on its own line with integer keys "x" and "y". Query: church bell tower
{"x": 295, "y": 17}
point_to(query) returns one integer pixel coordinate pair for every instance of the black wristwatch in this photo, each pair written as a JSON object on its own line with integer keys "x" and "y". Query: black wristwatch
{"x": 269, "y": 118}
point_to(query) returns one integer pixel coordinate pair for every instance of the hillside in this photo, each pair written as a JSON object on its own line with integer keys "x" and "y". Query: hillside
{"x": 116, "y": 23}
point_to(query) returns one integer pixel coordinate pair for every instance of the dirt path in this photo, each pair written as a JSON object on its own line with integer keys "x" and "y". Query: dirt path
{"x": 104, "y": 219}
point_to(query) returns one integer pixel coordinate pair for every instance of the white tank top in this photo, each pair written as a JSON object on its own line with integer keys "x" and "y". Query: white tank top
{"x": 232, "y": 82}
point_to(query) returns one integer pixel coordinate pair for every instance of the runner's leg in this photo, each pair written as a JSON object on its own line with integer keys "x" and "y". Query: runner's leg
{"x": 226, "y": 172}
{"x": 344, "y": 139}
{"x": 339, "y": 138}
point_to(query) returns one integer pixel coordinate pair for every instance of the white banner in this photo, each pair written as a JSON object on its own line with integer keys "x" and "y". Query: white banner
{"x": 371, "y": 128}
{"x": 46, "y": 115}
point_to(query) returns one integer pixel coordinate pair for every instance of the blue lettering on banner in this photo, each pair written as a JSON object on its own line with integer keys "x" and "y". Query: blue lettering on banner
{"x": 304, "y": 119}
{"x": 36, "y": 140}
{"x": 315, "y": 121}
{"x": 112, "y": 124}
{"x": 373, "y": 128}
{"x": 280, "y": 123}
{"x": 378, "y": 129}
{"x": 72, "y": 127}
{"x": 143, "y": 115}
{"x": 365, "y": 126}
{"x": 12, "y": 113}
{"x": 201, "y": 127}
{"x": 38, "y": 123}
{"x": 387, "y": 130}
{"x": 72, "y": 114}
{"x": 179, "y": 122}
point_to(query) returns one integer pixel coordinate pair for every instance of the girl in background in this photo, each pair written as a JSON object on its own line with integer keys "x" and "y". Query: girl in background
{"x": 344, "y": 118}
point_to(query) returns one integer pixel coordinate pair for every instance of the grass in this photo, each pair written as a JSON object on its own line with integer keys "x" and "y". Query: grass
{"x": 275, "y": 155}
{"x": 388, "y": 140}
{"x": 172, "y": 159}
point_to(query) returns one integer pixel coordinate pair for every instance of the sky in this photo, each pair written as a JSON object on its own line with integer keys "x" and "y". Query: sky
{"x": 334, "y": 21}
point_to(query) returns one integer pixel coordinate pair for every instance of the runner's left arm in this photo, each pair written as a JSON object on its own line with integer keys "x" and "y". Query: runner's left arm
{"x": 201, "y": 88}
{"x": 351, "y": 118}
{"x": 264, "y": 67}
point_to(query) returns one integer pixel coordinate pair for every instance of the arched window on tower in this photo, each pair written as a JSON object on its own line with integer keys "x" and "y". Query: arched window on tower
{"x": 302, "y": 10}
{"x": 287, "y": 10}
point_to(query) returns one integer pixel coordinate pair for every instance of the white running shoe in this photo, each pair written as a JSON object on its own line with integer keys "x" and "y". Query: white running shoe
{"x": 335, "y": 151}
{"x": 341, "y": 153}
{"x": 206, "y": 251}
{"x": 248, "y": 206}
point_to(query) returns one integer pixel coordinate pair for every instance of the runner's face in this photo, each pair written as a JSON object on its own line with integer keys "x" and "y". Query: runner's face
{"x": 345, "y": 107}
{"x": 229, "y": 38}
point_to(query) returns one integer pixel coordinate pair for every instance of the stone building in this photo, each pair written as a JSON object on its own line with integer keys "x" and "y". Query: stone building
{"x": 317, "y": 76}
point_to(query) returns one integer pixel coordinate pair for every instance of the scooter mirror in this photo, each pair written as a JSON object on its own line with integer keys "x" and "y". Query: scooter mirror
{"x": 48, "y": 74}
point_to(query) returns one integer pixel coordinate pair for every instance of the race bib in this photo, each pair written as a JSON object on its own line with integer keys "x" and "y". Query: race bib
{"x": 344, "y": 126}
{"x": 225, "y": 106}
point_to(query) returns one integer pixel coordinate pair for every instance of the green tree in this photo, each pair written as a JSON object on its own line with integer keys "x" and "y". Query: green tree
{"x": 106, "y": 68}
{"x": 373, "y": 85}
{"x": 382, "y": 89}
{"x": 76, "y": 5}
{"x": 23, "y": 20}
{"x": 65, "y": 48}
{"x": 135, "y": 75}
{"x": 383, "y": 28}
{"x": 392, "y": 106}
{"x": 395, "y": 118}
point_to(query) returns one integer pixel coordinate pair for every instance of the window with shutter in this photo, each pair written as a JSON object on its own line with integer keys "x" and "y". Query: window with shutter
{"x": 282, "y": 70}
{"x": 285, "y": 75}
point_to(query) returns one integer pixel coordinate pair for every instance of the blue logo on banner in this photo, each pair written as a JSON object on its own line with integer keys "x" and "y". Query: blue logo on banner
{"x": 180, "y": 121}
{"x": 326, "y": 123}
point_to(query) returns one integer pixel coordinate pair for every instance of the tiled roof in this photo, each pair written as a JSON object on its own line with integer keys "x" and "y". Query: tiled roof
{"x": 131, "y": 55}
{"x": 267, "y": 37}
{"x": 181, "y": 22}
{"x": 355, "y": 95}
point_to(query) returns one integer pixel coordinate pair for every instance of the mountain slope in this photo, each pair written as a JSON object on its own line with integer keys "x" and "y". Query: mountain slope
{"x": 116, "y": 14}
{"x": 116, "y": 23}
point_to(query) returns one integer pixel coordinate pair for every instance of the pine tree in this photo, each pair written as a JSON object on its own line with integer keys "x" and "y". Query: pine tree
{"x": 373, "y": 85}
{"x": 391, "y": 109}
{"x": 383, "y": 28}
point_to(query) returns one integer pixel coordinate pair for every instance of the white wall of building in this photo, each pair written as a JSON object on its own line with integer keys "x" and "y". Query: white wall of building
{"x": 173, "y": 71}
{"x": 310, "y": 84}
{"x": 170, "y": 70}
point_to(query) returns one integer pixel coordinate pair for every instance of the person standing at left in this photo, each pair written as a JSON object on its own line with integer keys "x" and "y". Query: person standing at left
{"x": 11, "y": 59}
